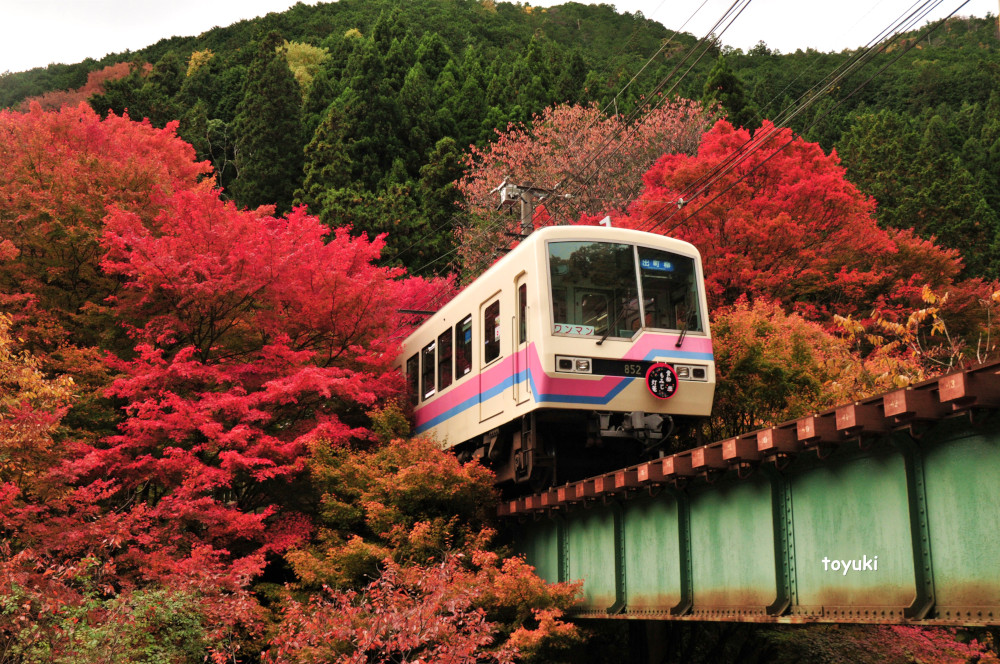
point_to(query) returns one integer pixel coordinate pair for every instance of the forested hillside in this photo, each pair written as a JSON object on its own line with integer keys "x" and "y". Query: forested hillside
{"x": 368, "y": 114}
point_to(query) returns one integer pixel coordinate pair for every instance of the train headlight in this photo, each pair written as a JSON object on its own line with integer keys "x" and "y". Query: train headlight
{"x": 691, "y": 372}
{"x": 573, "y": 364}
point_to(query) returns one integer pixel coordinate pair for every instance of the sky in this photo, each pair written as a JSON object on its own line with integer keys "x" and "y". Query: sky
{"x": 36, "y": 33}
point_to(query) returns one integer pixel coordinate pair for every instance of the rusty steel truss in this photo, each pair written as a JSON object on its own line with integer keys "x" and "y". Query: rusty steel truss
{"x": 902, "y": 488}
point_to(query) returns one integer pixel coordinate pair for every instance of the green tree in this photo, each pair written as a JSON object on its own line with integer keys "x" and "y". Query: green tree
{"x": 439, "y": 197}
{"x": 569, "y": 87}
{"x": 945, "y": 201}
{"x": 723, "y": 87}
{"x": 268, "y": 130}
{"x": 140, "y": 95}
{"x": 433, "y": 53}
{"x": 920, "y": 182}
{"x": 878, "y": 153}
{"x": 327, "y": 166}
{"x": 372, "y": 117}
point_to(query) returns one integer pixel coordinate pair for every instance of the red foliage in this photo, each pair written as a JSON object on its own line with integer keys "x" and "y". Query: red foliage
{"x": 248, "y": 337}
{"x": 58, "y": 174}
{"x": 450, "y": 611}
{"x": 254, "y": 337}
{"x": 558, "y": 148}
{"x": 415, "y": 614}
{"x": 784, "y": 225}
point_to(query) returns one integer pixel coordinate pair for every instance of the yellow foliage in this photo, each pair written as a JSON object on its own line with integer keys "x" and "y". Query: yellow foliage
{"x": 304, "y": 60}
{"x": 850, "y": 326}
{"x": 198, "y": 59}
{"x": 900, "y": 354}
{"x": 31, "y": 406}
{"x": 353, "y": 33}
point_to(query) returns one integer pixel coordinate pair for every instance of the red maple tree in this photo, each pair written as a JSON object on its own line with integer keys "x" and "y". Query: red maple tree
{"x": 784, "y": 223}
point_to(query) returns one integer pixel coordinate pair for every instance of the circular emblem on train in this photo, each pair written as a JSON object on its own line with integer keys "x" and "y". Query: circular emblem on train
{"x": 661, "y": 380}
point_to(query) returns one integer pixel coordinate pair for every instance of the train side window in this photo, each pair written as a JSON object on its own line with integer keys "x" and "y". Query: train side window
{"x": 522, "y": 313}
{"x": 412, "y": 369}
{"x": 491, "y": 332}
{"x": 427, "y": 375}
{"x": 444, "y": 359}
{"x": 463, "y": 346}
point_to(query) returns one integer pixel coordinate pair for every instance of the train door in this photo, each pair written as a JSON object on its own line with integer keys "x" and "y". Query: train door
{"x": 522, "y": 386}
{"x": 491, "y": 378}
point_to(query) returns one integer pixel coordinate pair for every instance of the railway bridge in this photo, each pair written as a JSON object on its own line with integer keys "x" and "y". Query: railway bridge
{"x": 885, "y": 510}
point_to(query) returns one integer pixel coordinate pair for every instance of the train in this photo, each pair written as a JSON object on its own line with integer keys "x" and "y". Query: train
{"x": 584, "y": 348}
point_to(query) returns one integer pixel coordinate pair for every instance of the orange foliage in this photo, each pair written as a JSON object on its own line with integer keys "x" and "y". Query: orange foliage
{"x": 56, "y": 99}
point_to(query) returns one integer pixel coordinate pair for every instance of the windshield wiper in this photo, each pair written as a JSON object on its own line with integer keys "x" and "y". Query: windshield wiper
{"x": 684, "y": 328}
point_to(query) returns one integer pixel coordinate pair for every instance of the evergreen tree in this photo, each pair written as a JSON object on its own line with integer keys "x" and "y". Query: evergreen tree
{"x": 138, "y": 96}
{"x": 433, "y": 53}
{"x": 372, "y": 117}
{"x": 389, "y": 27}
{"x": 168, "y": 73}
{"x": 439, "y": 198}
{"x": 397, "y": 64}
{"x": 723, "y": 87}
{"x": 417, "y": 105}
{"x": 447, "y": 99}
{"x": 569, "y": 87}
{"x": 268, "y": 130}
{"x": 229, "y": 94}
{"x": 878, "y": 152}
{"x": 944, "y": 201}
{"x": 919, "y": 182}
{"x": 327, "y": 166}
{"x": 468, "y": 110}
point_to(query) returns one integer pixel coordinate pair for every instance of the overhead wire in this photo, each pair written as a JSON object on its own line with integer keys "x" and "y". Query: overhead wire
{"x": 735, "y": 9}
{"x": 710, "y": 39}
{"x": 909, "y": 18}
{"x": 792, "y": 110}
{"x": 752, "y": 145}
{"x": 789, "y": 112}
{"x": 781, "y": 148}
{"x": 495, "y": 225}
{"x": 607, "y": 67}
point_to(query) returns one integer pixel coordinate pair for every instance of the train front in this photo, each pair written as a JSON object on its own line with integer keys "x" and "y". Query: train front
{"x": 628, "y": 336}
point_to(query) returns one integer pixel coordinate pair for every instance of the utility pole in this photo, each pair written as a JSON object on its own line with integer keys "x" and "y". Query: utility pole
{"x": 528, "y": 196}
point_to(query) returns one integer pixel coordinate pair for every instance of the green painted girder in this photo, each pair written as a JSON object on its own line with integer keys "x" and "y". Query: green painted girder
{"x": 904, "y": 488}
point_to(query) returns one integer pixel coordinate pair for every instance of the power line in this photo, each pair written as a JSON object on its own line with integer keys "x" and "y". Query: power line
{"x": 757, "y": 142}
{"x": 606, "y": 70}
{"x": 818, "y": 118}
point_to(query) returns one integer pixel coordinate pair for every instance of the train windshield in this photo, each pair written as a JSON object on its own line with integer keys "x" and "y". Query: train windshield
{"x": 596, "y": 289}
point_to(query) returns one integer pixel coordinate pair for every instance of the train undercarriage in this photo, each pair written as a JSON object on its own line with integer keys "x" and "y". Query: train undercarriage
{"x": 549, "y": 447}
